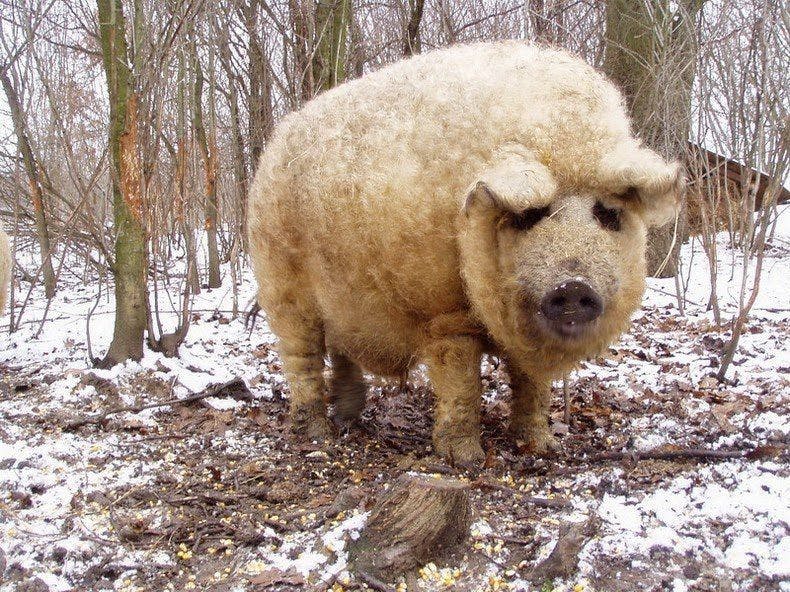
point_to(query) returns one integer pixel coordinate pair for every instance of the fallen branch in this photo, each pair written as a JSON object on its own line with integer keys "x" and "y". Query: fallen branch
{"x": 687, "y": 454}
{"x": 228, "y": 388}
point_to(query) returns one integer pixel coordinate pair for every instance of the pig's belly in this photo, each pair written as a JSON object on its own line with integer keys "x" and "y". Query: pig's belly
{"x": 371, "y": 331}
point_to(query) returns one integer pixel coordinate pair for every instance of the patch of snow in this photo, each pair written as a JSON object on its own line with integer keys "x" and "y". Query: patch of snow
{"x": 620, "y": 514}
{"x": 770, "y": 423}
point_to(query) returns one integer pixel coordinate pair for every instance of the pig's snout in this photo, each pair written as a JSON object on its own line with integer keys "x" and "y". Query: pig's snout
{"x": 570, "y": 306}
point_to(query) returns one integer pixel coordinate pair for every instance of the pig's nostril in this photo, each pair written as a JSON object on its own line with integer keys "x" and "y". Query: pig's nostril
{"x": 570, "y": 306}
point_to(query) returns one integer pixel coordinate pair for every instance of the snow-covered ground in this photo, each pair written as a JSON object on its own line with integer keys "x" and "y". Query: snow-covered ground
{"x": 216, "y": 495}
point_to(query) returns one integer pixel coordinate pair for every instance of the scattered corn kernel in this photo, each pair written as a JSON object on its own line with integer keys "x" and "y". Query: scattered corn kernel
{"x": 496, "y": 583}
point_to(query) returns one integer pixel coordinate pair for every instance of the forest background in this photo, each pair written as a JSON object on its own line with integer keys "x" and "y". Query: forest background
{"x": 130, "y": 130}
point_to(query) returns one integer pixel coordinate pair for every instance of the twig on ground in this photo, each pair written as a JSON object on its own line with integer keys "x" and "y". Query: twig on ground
{"x": 252, "y": 316}
{"x": 514, "y": 540}
{"x": 372, "y": 581}
{"x": 541, "y": 502}
{"x": 660, "y": 291}
{"x": 328, "y": 583}
{"x": 211, "y": 391}
{"x": 137, "y": 441}
{"x": 488, "y": 557}
{"x": 437, "y": 468}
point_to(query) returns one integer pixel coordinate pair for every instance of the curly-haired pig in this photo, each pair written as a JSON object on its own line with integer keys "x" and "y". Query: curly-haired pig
{"x": 482, "y": 198}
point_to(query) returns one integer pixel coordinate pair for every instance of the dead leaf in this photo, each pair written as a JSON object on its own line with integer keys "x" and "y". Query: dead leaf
{"x": 261, "y": 418}
{"x": 767, "y": 451}
{"x": 721, "y": 414}
{"x": 709, "y": 382}
{"x": 282, "y": 492}
{"x": 262, "y": 352}
{"x": 272, "y": 577}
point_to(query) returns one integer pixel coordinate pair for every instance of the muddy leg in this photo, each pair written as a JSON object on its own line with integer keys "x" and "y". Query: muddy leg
{"x": 302, "y": 352}
{"x": 454, "y": 370}
{"x": 347, "y": 388}
{"x": 530, "y": 410}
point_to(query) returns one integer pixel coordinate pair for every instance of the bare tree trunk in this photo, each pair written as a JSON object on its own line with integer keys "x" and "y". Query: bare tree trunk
{"x": 130, "y": 244}
{"x": 181, "y": 210}
{"x": 332, "y": 21}
{"x": 36, "y": 194}
{"x": 209, "y": 153}
{"x": 357, "y": 55}
{"x": 546, "y": 20}
{"x": 651, "y": 54}
{"x": 303, "y": 47}
{"x": 239, "y": 158}
{"x": 411, "y": 44}
{"x": 261, "y": 122}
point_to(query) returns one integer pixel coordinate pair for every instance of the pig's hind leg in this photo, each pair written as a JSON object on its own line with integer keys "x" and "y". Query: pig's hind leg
{"x": 347, "y": 388}
{"x": 301, "y": 344}
{"x": 530, "y": 410}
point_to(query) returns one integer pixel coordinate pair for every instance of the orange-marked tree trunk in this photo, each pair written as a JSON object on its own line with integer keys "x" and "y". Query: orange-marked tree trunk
{"x": 129, "y": 267}
{"x": 36, "y": 193}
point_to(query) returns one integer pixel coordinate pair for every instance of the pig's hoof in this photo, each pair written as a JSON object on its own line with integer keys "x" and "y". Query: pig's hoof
{"x": 348, "y": 408}
{"x": 462, "y": 451}
{"x": 312, "y": 426}
{"x": 537, "y": 438}
{"x": 320, "y": 429}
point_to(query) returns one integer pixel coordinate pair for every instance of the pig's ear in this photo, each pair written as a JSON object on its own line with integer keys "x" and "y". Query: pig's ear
{"x": 513, "y": 184}
{"x": 646, "y": 182}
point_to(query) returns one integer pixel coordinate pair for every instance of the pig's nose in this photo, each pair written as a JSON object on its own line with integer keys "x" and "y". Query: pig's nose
{"x": 570, "y": 306}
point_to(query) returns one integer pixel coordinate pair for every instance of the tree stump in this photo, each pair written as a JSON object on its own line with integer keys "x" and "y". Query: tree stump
{"x": 420, "y": 518}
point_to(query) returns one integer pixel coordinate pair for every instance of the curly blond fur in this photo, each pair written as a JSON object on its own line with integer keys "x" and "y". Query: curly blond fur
{"x": 5, "y": 269}
{"x": 376, "y": 228}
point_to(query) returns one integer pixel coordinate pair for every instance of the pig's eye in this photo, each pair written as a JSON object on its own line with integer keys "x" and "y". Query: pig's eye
{"x": 526, "y": 219}
{"x": 630, "y": 194}
{"x": 608, "y": 217}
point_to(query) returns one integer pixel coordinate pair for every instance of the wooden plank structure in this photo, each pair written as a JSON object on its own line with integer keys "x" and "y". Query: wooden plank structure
{"x": 715, "y": 168}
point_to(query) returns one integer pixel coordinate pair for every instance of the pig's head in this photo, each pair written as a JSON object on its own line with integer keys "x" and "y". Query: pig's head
{"x": 554, "y": 268}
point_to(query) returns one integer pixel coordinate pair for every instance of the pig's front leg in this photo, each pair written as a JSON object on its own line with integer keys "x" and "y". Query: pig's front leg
{"x": 454, "y": 370}
{"x": 530, "y": 410}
